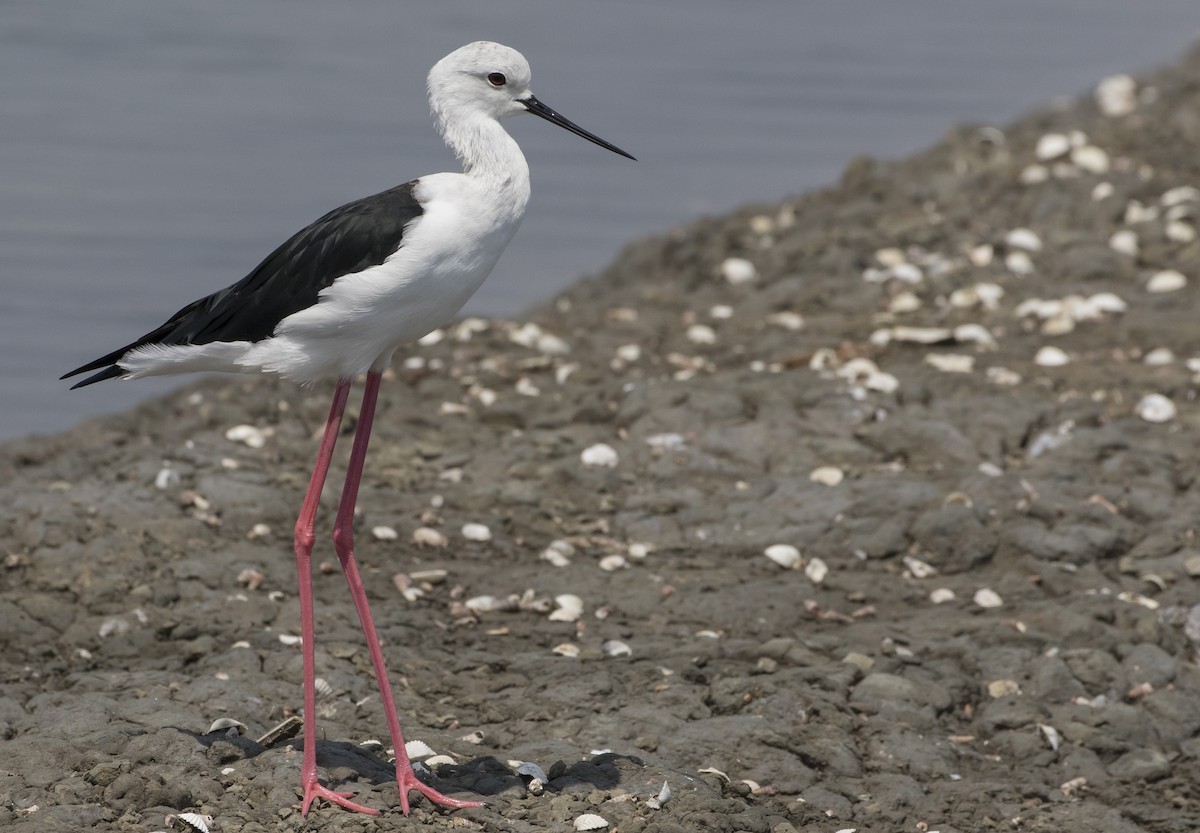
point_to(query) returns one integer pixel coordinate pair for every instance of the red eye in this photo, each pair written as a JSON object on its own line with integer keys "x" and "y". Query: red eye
{"x": 497, "y": 79}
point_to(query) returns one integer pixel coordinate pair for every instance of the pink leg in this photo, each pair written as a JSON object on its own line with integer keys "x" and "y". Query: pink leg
{"x": 304, "y": 547}
{"x": 343, "y": 541}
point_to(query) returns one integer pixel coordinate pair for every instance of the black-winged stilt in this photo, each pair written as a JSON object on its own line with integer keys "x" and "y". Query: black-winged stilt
{"x": 338, "y": 299}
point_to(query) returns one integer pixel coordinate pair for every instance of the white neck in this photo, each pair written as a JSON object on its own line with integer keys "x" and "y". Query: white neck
{"x": 485, "y": 150}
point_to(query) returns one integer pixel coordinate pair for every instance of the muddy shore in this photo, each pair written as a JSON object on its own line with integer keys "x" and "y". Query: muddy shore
{"x": 880, "y": 503}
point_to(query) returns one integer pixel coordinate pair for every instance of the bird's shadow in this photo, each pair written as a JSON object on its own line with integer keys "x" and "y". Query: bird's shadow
{"x": 485, "y": 776}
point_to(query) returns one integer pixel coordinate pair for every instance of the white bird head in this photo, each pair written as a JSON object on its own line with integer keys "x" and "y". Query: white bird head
{"x": 489, "y": 80}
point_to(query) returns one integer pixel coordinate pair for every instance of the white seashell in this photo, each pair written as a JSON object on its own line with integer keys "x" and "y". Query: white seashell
{"x": 1003, "y": 376}
{"x": 566, "y": 649}
{"x": 720, "y": 312}
{"x": 476, "y": 532}
{"x": 1124, "y": 241}
{"x": 657, "y": 802}
{"x": 486, "y": 396}
{"x": 1051, "y": 735}
{"x": 417, "y": 749}
{"x": 738, "y": 270}
{"x": 1051, "y": 146}
{"x": 982, "y": 254}
{"x": 1051, "y": 356}
{"x": 1116, "y": 95}
{"x": 1179, "y": 195}
{"x": 827, "y": 475}
{"x": 1155, "y": 407}
{"x": 1033, "y": 174}
{"x": 786, "y": 319}
{"x": 1168, "y": 280}
{"x": 974, "y": 334}
{"x": 1058, "y": 325}
{"x": 1108, "y": 302}
{"x": 384, "y": 533}
{"x": 950, "y": 362}
{"x": 526, "y": 387}
{"x": 1003, "y": 688}
{"x": 919, "y": 568}
{"x": 816, "y": 570}
{"x": 1023, "y": 238}
{"x": 941, "y": 595}
{"x": 668, "y": 441}
{"x": 612, "y": 563}
{"x": 439, "y": 760}
{"x": 1019, "y": 263}
{"x": 590, "y": 821}
{"x": 424, "y": 536}
{"x": 1135, "y": 213}
{"x": 701, "y": 334}
{"x": 289, "y": 639}
{"x": 890, "y": 256}
{"x": 247, "y": 435}
{"x": 639, "y": 550}
{"x": 785, "y": 555}
{"x": 531, "y": 770}
{"x": 551, "y": 345}
{"x": 195, "y": 821}
{"x": 857, "y": 369}
{"x": 629, "y": 352}
{"x": 600, "y": 454}
{"x": 1178, "y": 231}
{"x": 1159, "y": 356}
{"x": 1091, "y": 158}
{"x": 615, "y": 648}
{"x": 988, "y": 598}
{"x": 1102, "y": 191}
{"x": 166, "y": 477}
{"x": 224, "y": 724}
{"x": 906, "y": 272}
{"x": 882, "y": 382}
{"x": 570, "y": 608}
{"x": 905, "y": 302}
{"x": 481, "y": 604}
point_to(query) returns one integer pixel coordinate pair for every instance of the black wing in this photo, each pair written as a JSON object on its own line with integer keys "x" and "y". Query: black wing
{"x": 348, "y": 239}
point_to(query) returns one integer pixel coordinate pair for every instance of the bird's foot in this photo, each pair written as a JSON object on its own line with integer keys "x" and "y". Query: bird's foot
{"x": 313, "y": 790}
{"x": 407, "y": 780}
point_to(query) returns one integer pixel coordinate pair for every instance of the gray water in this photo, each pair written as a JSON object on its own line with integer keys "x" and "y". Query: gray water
{"x": 152, "y": 152}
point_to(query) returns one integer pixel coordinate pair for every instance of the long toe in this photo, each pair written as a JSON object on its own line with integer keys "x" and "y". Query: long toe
{"x": 313, "y": 790}
{"x": 407, "y": 780}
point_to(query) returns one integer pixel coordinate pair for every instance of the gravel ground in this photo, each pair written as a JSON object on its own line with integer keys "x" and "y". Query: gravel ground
{"x": 979, "y": 609}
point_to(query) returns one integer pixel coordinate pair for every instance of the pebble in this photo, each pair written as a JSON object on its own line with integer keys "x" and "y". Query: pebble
{"x": 1091, "y": 158}
{"x": 425, "y": 536}
{"x": 786, "y": 319}
{"x": 1168, "y": 280}
{"x": 476, "y": 532}
{"x": 988, "y": 598}
{"x": 950, "y": 362}
{"x": 941, "y": 595}
{"x": 974, "y": 334}
{"x": 1019, "y": 263}
{"x": 600, "y": 454}
{"x": 785, "y": 555}
{"x": 701, "y": 334}
{"x": 612, "y": 563}
{"x": 1155, "y": 407}
{"x": 738, "y": 270}
{"x": 1159, "y": 357}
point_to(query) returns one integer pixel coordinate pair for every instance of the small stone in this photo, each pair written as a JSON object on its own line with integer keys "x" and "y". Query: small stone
{"x": 1052, "y": 146}
{"x": 941, "y": 595}
{"x": 1091, "y": 158}
{"x": 1116, "y": 95}
{"x": 701, "y": 334}
{"x": 1125, "y": 242}
{"x": 1051, "y": 356}
{"x": 1003, "y": 688}
{"x": 816, "y": 570}
{"x": 384, "y": 533}
{"x": 1023, "y": 238}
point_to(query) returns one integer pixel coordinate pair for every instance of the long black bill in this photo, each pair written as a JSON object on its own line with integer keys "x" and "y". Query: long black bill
{"x": 538, "y": 109}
